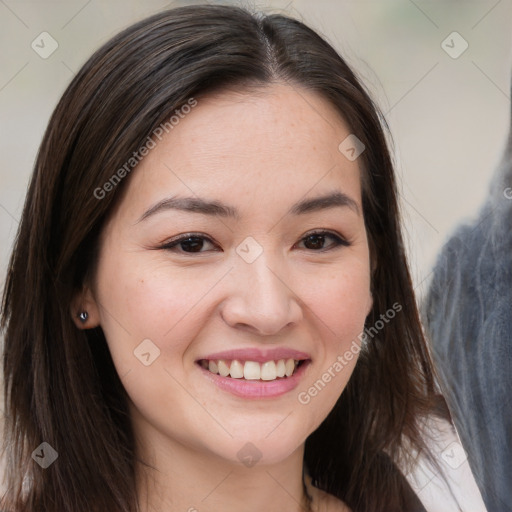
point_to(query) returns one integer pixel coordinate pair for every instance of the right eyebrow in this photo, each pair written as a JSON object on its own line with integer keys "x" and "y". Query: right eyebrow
{"x": 192, "y": 204}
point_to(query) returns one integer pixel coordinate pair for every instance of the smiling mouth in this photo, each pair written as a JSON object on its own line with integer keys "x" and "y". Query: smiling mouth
{"x": 252, "y": 370}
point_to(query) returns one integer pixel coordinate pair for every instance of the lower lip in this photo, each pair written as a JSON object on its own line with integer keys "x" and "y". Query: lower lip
{"x": 257, "y": 388}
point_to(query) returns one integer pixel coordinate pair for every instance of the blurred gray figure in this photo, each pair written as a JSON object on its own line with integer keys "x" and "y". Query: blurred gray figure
{"x": 468, "y": 317}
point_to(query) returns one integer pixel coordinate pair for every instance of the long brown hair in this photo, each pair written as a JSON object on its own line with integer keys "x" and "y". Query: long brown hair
{"x": 61, "y": 386}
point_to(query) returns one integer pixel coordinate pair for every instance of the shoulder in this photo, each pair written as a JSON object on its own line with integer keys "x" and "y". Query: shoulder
{"x": 323, "y": 501}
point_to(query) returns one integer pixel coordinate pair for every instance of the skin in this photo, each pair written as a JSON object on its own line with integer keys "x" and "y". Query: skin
{"x": 260, "y": 151}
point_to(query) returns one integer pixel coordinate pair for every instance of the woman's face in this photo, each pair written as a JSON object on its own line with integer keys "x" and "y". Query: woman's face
{"x": 239, "y": 245}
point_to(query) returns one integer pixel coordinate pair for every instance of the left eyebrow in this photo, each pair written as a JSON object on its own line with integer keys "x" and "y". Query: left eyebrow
{"x": 216, "y": 208}
{"x": 324, "y": 202}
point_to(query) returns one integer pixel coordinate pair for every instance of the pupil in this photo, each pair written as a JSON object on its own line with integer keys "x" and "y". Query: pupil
{"x": 317, "y": 241}
{"x": 192, "y": 244}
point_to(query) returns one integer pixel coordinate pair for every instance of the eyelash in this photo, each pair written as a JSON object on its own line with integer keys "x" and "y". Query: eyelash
{"x": 339, "y": 241}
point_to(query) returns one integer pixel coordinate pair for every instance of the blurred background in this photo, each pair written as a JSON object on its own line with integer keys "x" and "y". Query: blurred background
{"x": 439, "y": 70}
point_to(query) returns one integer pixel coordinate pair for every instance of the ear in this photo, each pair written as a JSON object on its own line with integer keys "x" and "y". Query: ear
{"x": 84, "y": 301}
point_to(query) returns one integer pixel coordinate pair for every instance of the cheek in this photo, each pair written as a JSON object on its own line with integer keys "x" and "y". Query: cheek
{"x": 339, "y": 309}
{"x": 143, "y": 300}
{"x": 340, "y": 302}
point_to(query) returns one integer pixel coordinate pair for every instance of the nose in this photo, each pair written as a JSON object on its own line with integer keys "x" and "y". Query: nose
{"x": 262, "y": 299}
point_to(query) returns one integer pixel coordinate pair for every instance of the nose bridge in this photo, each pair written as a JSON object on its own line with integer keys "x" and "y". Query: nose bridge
{"x": 261, "y": 297}
{"x": 265, "y": 281}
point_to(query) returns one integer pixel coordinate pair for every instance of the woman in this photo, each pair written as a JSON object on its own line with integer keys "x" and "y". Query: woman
{"x": 220, "y": 313}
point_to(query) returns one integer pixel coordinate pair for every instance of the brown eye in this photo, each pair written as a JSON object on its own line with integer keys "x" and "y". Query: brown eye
{"x": 188, "y": 244}
{"x": 314, "y": 241}
{"x": 192, "y": 244}
{"x": 317, "y": 241}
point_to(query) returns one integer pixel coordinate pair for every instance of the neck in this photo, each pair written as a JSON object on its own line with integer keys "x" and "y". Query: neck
{"x": 181, "y": 478}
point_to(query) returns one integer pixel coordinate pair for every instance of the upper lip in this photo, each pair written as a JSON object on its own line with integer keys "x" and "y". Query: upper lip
{"x": 258, "y": 355}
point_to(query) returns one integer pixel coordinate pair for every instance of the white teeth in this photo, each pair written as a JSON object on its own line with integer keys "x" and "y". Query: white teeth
{"x": 280, "y": 368}
{"x": 251, "y": 370}
{"x": 236, "y": 370}
{"x": 289, "y": 367}
{"x": 268, "y": 371}
{"x": 223, "y": 368}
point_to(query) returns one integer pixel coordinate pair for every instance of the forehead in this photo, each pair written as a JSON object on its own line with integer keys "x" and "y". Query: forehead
{"x": 276, "y": 140}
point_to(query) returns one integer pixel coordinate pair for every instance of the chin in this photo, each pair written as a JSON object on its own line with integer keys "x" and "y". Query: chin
{"x": 262, "y": 449}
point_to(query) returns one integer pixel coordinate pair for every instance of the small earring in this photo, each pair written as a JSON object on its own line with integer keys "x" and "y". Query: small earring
{"x": 83, "y": 316}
